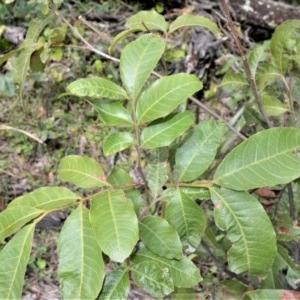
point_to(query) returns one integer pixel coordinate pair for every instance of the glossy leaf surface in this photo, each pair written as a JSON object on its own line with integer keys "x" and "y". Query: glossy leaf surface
{"x": 97, "y": 88}
{"x": 13, "y": 218}
{"x": 187, "y": 218}
{"x": 138, "y": 60}
{"x": 116, "y": 142}
{"x": 199, "y": 150}
{"x": 164, "y": 95}
{"x": 82, "y": 171}
{"x": 147, "y": 20}
{"x": 115, "y": 224}
{"x": 248, "y": 228}
{"x": 13, "y": 261}
{"x": 152, "y": 278}
{"x": 47, "y": 198}
{"x": 116, "y": 285}
{"x": 159, "y": 236}
{"x": 187, "y": 20}
{"x": 81, "y": 267}
{"x": 184, "y": 272}
{"x": 163, "y": 134}
{"x": 267, "y": 158}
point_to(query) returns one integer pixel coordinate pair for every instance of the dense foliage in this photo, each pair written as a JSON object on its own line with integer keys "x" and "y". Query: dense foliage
{"x": 187, "y": 192}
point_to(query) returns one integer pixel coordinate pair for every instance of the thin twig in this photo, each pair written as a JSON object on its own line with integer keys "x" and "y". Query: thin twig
{"x": 104, "y": 55}
{"x": 224, "y": 268}
{"x": 249, "y": 75}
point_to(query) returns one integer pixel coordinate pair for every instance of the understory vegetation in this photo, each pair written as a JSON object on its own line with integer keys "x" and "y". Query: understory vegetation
{"x": 164, "y": 183}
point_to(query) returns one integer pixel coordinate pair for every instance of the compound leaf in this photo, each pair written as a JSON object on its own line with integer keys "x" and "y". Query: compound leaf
{"x": 138, "y": 60}
{"x": 164, "y": 133}
{"x": 13, "y": 260}
{"x": 115, "y": 224}
{"x": 160, "y": 237}
{"x": 116, "y": 142}
{"x": 47, "y": 198}
{"x": 252, "y": 164}
{"x": 116, "y": 285}
{"x": 165, "y": 94}
{"x": 97, "y": 88}
{"x": 81, "y": 268}
{"x": 199, "y": 150}
{"x": 248, "y": 228}
{"x": 82, "y": 171}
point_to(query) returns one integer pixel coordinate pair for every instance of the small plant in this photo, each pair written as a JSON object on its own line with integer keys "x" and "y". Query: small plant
{"x": 150, "y": 222}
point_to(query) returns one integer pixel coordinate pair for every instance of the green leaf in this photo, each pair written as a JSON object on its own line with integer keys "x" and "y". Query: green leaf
{"x": 286, "y": 31}
{"x": 184, "y": 294}
{"x": 194, "y": 193}
{"x": 248, "y": 228}
{"x": 119, "y": 177}
{"x": 13, "y": 218}
{"x": 236, "y": 79}
{"x": 81, "y": 268}
{"x": 199, "y": 150}
{"x": 115, "y": 224}
{"x": 193, "y": 20}
{"x": 47, "y": 198}
{"x": 187, "y": 218}
{"x": 147, "y": 20}
{"x": 82, "y": 171}
{"x": 13, "y": 260}
{"x": 252, "y": 164}
{"x": 272, "y": 294}
{"x": 159, "y": 236}
{"x": 164, "y": 95}
{"x": 267, "y": 74}
{"x": 152, "y": 278}
{"x": 96, "y": 87}
{"x": 116, "y": 285}
{"x": 273, "y": 106}
{"x": 138, "y": 60}
{"x": 184, "y": 272}
{"x": 113, "y": 113}
{"x": 116, "y": 142}
{"x": 157, "y": 175}
{"x": 164, "y": 133}
{"x": 256, "y": 56}
{"x": 119, "y": 37}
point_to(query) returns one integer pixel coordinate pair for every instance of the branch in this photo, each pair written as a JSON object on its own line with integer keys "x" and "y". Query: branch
{"x": 249, "y": 76}
{"x": 109, "y": 57}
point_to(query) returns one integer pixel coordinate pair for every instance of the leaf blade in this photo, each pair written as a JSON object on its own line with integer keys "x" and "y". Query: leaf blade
{"x": 164, "y": 95}
{"x": 116, "y": 142}
{"x": 82, "y": 171}
{"x": 138, "y": 60}
{"x": 13, "y": 260}
{"x": 81, "y": 267}
{"x": 163, "y": 134}
{"x": 115, "y": 224}
{"x": 249, "y": 229}
{"x": 252, "y": 163}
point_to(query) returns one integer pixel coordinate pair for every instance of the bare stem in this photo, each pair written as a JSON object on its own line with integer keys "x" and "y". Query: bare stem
{"x": 249, "y": 75}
